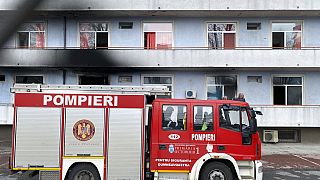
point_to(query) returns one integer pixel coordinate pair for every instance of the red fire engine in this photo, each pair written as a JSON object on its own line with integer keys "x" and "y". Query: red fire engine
{"x": 104, "y": 132}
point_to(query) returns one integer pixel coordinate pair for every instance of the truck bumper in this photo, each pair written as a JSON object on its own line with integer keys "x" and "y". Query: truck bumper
{"x": 258, "y": 170}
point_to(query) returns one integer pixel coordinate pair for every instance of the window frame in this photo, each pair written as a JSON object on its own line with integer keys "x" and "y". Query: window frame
{"x": 43, "y": 78}
{"x": 45, "y": 25}
{"x": 95, "y": 34}
{"x": 215, "y": 75}
{"x": 92, "y": 75}
{"x": 285, "y": 40}
{"x": 193, "y": 118}
{"x": 286, "y": 88}
{"x": 143, "y": 31}
{"x": 222, "y": 22}
{"x": 162, "y": 118}
{"x": 159, "y": 75}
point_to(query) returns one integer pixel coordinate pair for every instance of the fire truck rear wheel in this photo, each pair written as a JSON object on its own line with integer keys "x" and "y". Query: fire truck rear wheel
{"x": 84, "y": 172}
{"x": 216, "y": 171}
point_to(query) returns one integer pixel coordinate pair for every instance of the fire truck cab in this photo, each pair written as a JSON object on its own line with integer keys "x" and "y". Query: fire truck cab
{"x": 110, "y": 133}
{"x": 204, "y": 139}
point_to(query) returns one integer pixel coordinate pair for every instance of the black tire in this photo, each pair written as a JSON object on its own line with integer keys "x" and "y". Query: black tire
{"x": 84, "y": 172}
{"x": 216, "y": 171}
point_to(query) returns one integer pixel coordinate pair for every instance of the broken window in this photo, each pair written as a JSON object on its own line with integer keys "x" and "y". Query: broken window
{"x": 159, "y": 80}
{"x": 31, "y": 35}
{"x": 93, "y": 80}
{"x": 286, "y": 35}
{"x": 93, "y": 35}
{"x": 29, "y": 79}
{"x": 287, "y": 90}
{"x": 221, "y": 35}
{"x": 220, "y": 86}
{"x": 157, "y": 35}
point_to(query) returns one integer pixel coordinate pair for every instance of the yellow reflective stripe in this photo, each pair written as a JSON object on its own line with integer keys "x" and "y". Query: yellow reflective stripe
{"x": 174, "y": 171}
{"x": 36, "y": 169}
{"x": 83, "y": 157}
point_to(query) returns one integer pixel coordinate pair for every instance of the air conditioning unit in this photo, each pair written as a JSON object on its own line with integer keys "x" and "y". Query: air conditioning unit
{"x": 191, "y": 94}
{"x": 270, "y": 136}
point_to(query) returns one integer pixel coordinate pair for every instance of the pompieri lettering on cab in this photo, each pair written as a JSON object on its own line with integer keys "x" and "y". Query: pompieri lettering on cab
{"x": 203, "y": 137}
{"x": 81, "y": 100}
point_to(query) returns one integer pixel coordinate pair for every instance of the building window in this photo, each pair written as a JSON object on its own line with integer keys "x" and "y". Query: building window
{"x": 286, "y": 35}
{"x": 256, "y": 79}
{"x": 158, "y": 80}
{"x": 93, "y": 35}
{"x": 221, "y": 35}
{"x": 31, "y": 35}
{"x": 287, "y": 90}
{"x": 289, "y": 135}
{"x": 157, "y": 35}
{"x": 2, "y": 78}
{"x": 220, "y": 86}
{"x": 93, "y": 80}
{"x": 125, "y": 79}
{"x": 253, "y": 26}
{"x": 29, "y": 80}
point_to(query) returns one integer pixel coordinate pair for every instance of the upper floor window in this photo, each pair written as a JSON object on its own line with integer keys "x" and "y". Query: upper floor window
{"x": 29, "y": 79}
{"x": 286, "y": 34}
{"x": 31, "y": 35}
{"x": 221, "y": 86}
{"x": 159, "y": 80}
{"x": 157, "y": 35}
{"x": 287, "y": 90}
{"x": 93, "y": 35}
{"x": 221, "y": 35}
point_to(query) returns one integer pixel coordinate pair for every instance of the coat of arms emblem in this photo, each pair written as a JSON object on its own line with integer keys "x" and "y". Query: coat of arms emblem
{"x": 83, "y": 130}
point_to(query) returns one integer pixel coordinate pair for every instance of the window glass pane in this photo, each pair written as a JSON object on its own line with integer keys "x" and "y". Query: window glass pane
{"x": 225, "y": 80}
{"x": 294, "y": 26}
{"x": 23, "y": 40}
{"x": 214, "y": 92}
{"x": 287, "y": 80}
{"x": 149, "y": 40}
{"x": 93, "y": 80}
{"x": 93, "y": 26}
{"x": 245, "y": 118}
{"x": 87, "y": 40}
{"x": 279, "y": 95}
{"x": 293, "y": 39}
{"x": 294, "y": 95}
{"x": 164, "y": 40}
{"x": 29, "y": 79}
{"x": 157, "y": 80}
{"x": 278, "y": 39}
{"x": 221, "y": 27}
{"x": 157, "y": 27}
{"x": 102, "y": 39}
{"x": 215, "y": 40}
{"x": 202, "y": 118}
{"x": 31, "y": 27}
{"x": 37, "y": 39}
{"x": 174, "y": 117}
{"x": 229, "y": 119}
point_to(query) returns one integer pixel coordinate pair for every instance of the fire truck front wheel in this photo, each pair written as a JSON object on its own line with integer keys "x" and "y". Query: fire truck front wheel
{"x": 84, "y": 172}
{"x": 216, "y": 171}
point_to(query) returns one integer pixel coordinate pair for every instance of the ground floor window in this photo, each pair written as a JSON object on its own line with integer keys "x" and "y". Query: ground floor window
{"x": 287, "y": 90}
{"x": 289, "y": 135}
{"x": 221, "y": 86}
{"x": 93, "y": 80}
{"x": 31, "y": 79}
{"x": 158, "y": 80}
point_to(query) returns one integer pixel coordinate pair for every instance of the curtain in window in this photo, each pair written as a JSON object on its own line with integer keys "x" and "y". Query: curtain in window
{"x": 164, "y": 40}
{"x": 229, "y": 39}
{"x": 151, "y": 40}
{"x": 40, "y": 36}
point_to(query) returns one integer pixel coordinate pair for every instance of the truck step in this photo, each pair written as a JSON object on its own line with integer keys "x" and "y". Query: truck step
{"x": 247, "y": 178}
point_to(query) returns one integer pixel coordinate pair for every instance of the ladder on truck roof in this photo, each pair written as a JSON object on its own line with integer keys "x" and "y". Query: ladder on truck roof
{"x": 146, "y": 90}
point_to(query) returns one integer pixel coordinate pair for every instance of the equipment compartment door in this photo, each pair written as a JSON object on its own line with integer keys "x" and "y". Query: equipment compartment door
{"x": 37, "y": 137}
{"x": 84, "y": 131}
{"x": 125, "y": 144}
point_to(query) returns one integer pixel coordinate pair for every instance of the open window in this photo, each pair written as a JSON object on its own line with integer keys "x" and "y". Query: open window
{"x": 31, "y": 35}
{"x": 221, "y": 35}
{"x": 220, "y": 86}
{"x": 157, "y": 35}
{"x": 286, "y": 35}
{"x": 94, "y": 35}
